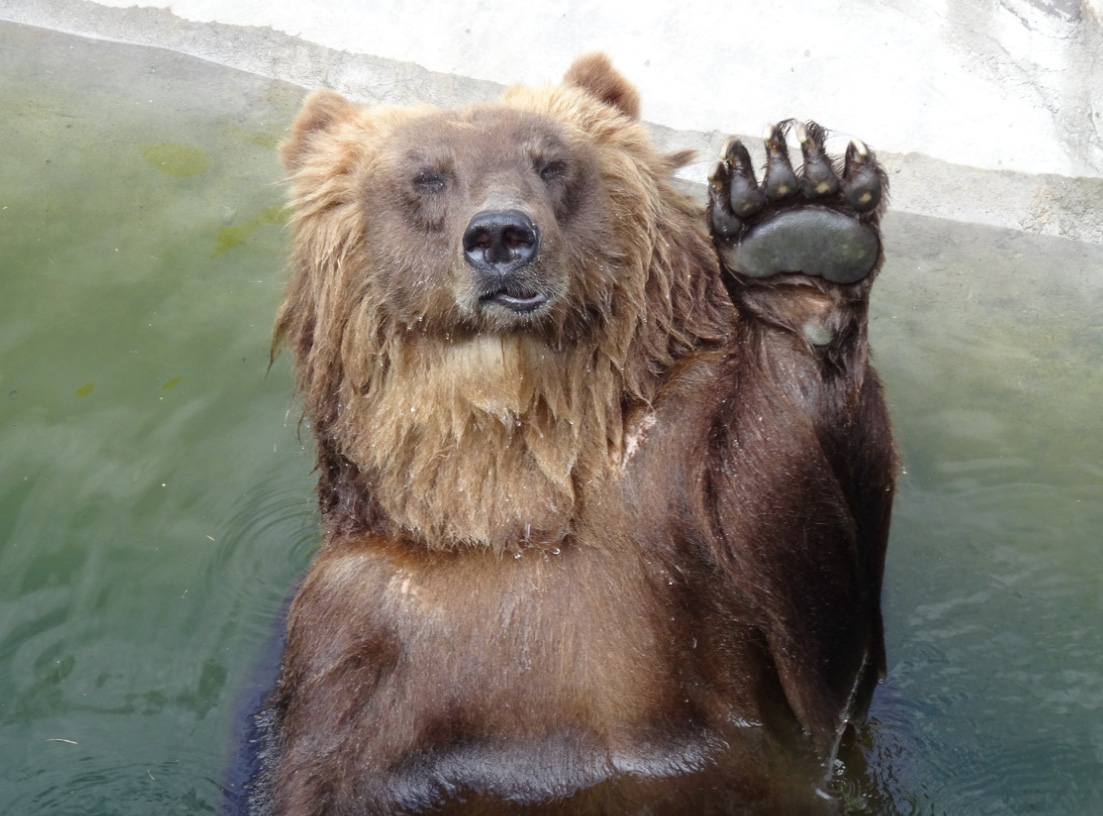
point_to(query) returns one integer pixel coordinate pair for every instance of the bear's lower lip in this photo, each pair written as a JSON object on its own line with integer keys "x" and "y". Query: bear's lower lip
{"x": 521, "y": 304}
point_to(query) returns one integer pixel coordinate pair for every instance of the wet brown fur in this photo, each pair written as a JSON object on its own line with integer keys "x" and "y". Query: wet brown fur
{"x": 623, "y": 556}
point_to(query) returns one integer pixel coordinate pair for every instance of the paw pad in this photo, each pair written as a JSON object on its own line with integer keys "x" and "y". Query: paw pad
{"x": 821, "y": 222}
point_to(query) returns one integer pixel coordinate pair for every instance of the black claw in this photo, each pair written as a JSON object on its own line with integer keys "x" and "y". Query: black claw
{"x": 723, "y": 221}
{"x": 781, "y": 181}
{"x": 746, "y": 196}
{"x": 728, "y": 150}
{"x": 818, "y": 177}
{"x": 862, "y": 184}
{"x": 718, "y": 177}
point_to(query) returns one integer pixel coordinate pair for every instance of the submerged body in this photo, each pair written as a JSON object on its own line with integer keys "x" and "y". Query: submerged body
{"x": 604, "y": 515}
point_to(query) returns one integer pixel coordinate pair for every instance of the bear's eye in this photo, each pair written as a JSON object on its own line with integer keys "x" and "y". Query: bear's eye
{"x": 429, "y": 182}
{"x": 552, "y": 170}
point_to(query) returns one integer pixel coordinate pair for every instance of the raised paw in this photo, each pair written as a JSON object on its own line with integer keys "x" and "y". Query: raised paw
{"x": 820, "y": 221}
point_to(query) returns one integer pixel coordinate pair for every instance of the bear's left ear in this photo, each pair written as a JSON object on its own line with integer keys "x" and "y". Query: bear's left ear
{"x": 595, "y": 74}
{"x": 321, "y": 111}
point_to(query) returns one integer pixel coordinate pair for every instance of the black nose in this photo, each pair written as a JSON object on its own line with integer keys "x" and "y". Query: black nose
{"x": 500, "y": 241}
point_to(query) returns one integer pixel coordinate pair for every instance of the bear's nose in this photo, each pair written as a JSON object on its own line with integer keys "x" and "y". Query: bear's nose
{"x": 500, "y": 241}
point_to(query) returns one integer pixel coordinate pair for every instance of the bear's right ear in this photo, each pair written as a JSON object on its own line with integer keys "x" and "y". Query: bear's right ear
{"x": 320, "y": 112}
{"x": 595, "y": 74}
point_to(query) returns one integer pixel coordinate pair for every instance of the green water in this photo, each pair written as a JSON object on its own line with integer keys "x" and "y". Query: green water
{"x": 155, "y": 498}
{"x": 155, "y": 501}
{"x": 991, "y": 345}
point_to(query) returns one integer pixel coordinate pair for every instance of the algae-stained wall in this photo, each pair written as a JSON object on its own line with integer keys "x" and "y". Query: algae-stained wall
{"x": 986, "y": 111}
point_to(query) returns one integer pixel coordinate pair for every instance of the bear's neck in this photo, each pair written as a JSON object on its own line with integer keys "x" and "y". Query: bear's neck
{"x": 482, "y": 442}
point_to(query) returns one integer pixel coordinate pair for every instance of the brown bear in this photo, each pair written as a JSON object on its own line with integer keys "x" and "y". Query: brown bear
{"x": 605, "y": 478}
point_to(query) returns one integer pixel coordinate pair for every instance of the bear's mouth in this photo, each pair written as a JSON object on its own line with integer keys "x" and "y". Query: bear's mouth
{"x": 521, "y": 301}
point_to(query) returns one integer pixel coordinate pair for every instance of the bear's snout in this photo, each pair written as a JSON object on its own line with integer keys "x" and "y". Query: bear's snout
{"x": 498, "y": 245}
{"x": 499, "y": 242}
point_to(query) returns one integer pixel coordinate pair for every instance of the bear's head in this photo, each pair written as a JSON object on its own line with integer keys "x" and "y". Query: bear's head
{"x": 480, "y": 295}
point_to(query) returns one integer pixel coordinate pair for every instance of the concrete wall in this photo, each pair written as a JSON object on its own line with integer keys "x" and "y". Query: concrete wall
{"x": 988, "y": 111}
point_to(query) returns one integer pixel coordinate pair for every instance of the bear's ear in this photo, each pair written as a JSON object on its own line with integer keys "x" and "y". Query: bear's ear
{"x": 595, "y": 74}
{"x": 320, "y": 112}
